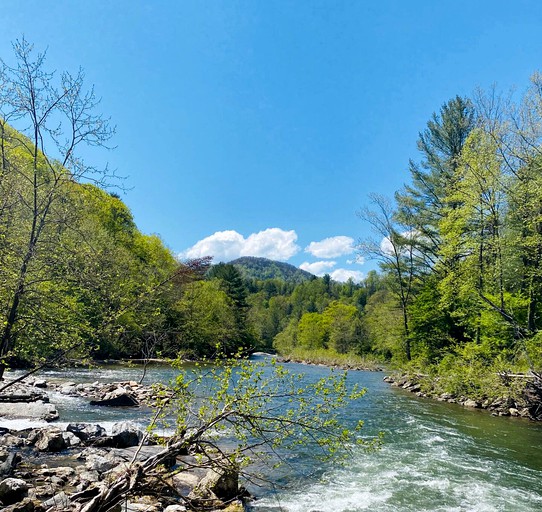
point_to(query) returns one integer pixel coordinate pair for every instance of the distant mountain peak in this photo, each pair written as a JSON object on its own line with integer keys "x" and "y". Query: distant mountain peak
{"x": 253, "y": 267}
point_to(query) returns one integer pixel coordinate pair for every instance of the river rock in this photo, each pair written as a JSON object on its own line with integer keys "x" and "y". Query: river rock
{"x": 71, "y": 439}
{"x": 68, "y": 390}
{"x": 99, "y": 463}
{"x": 87, "y": 432}
{"x": 126, "y": 434}
{"x": 471, "y": 403}
{"x": 40, "y": 383}
{"x": 513, "y": 411}
{"x": 9, "y": 463}
{"x": 143, "y": 505}
{"x": 123, "y": 400}
{"x": 141, "y": 454}
{"x": 32, "y": 410}
{"x": 184, "y": 482}
{"x": 59, "y": 501}
{"x": 62, "y": 472}
{"x": 50, "y": 441}
{"x": 12, "y": 490}
{"x": 221, "y": 483}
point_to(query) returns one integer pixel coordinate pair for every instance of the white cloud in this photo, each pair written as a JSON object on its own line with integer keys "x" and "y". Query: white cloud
{"x": 318, "y": 268}
{"x": 332, "y": 247}
{"x": 342, "y": 275}
{"x": 272, "y": 243}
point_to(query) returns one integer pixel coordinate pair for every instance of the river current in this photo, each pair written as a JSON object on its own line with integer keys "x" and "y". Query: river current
{"x": 435, "y": 456}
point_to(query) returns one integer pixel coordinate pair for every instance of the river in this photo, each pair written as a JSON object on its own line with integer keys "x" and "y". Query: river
{"x": 435, "y": 456}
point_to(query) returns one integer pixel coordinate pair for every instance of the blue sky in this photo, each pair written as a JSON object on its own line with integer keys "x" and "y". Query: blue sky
{"x": 260, "y": 127}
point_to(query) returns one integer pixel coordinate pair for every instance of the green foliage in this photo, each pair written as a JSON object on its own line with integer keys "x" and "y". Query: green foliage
{"x": 474, "y": 205}
{"x": 262, "y": 408}
{"x": 208, "y": 319}
{"x": 263, "y": 269}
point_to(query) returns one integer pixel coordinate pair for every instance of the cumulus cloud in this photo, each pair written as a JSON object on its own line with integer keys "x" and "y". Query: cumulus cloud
{"x": 342, "y": 275}
{"x": 332, "y": 247}
{"x": 272, "y": 243}
{"x": 318, "y": 268}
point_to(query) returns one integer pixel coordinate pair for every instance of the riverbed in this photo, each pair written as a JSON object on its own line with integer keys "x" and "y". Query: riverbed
{"x": 435, "y": 456}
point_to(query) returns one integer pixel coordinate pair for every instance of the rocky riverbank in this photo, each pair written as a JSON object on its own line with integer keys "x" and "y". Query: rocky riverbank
{"x": 527, "y": 404}
{"x": 68, "y": 467}
{"x": 51, "y": 469}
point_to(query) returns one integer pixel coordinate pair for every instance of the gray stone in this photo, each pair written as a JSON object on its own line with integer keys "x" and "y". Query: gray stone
{"x": 86, "y": 431}
{"x": 50, "y": 441}
{"x": 185, "y": 482}
{"x": 471, "y": 403}
{"x": 9, "y": 463}
{"x": 123, "y": 400}
{"x": 88, "y": 476}
{"x": 32, "y": 410}
{"x": 60, "y": 501}
{"x": 143, "y": 453}
{"x": 68, "y": 390}
{"x": 99, "y": 463}
{"x": 71, "y": 439}
{"x": 175, "y": 508}
{"x": 40, "y": 383}
{"x": 12, "y": 490}
{"x": 126, "y": 434}
{"x": 11, "y": 441}
{"x": 62, "y": 472}
{"x": 221, "y": 483}
{"x": 132, "y": 506}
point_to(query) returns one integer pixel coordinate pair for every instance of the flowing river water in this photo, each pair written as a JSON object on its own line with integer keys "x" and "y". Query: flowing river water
{"x": 435, "y": 456}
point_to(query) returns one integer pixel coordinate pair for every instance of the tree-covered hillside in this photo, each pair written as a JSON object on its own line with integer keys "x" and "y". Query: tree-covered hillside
{"x": 263, "y": 268}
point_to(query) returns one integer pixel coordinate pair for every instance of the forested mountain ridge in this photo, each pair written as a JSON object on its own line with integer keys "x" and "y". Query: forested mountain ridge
{"x": 252, "y": 267}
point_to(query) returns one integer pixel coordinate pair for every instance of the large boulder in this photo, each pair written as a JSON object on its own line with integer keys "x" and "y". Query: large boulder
{"x": 99, "y": 463}
{"x": 220, "y": 482}
{"x": 126, "y": 434}
{"x": 87, "y": 432}
{"x": 12, "y": 490}
{"x": 122, "y": 400}
{"x": 50, "y": 441}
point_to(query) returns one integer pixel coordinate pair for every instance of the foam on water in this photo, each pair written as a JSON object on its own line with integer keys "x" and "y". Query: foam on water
{"x": 426, "y": 464}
